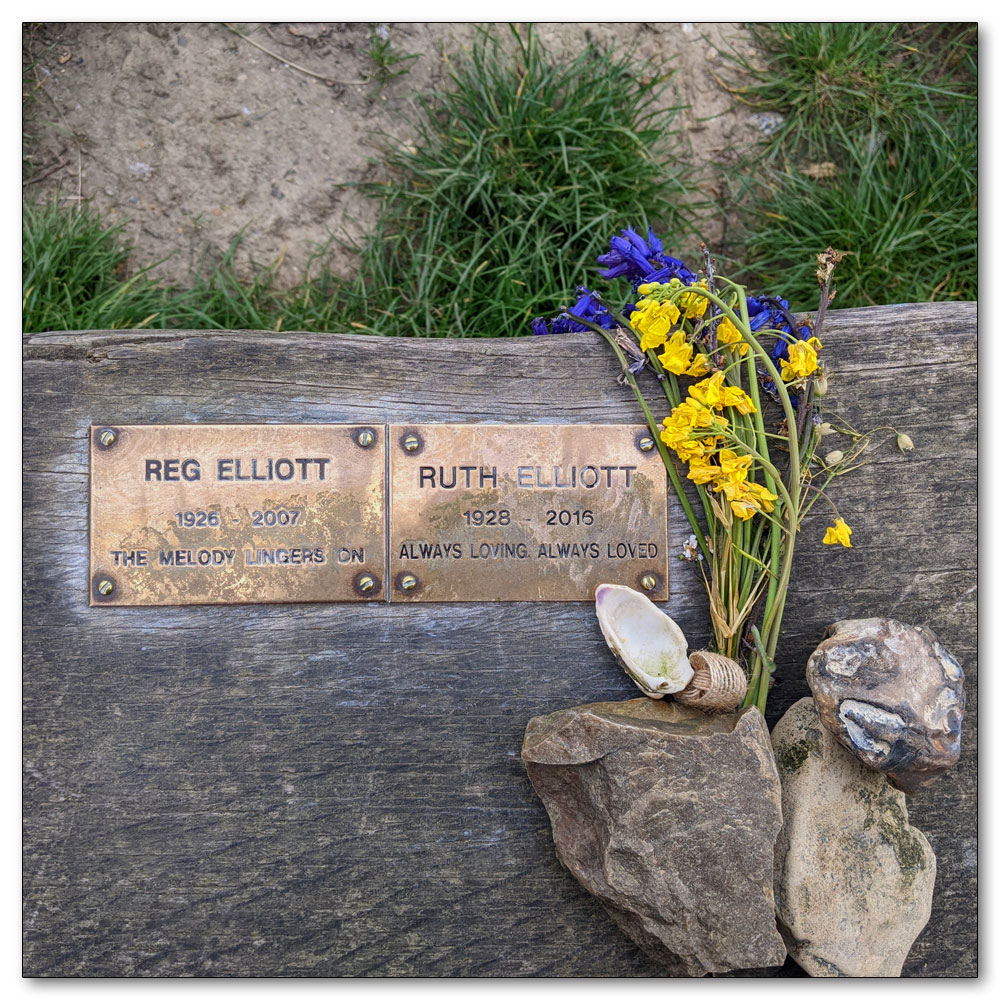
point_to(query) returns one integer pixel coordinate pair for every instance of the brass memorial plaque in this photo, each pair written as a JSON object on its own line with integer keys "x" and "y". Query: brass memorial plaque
{"x": 535, "y": 512}
{"x": 227, "y": 514}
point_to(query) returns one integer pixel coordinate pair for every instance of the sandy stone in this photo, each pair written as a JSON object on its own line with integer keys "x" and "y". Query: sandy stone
{"x": 669, "y": 817}
{"x": 892, "y": 695}
{"x": 853, "y": 881}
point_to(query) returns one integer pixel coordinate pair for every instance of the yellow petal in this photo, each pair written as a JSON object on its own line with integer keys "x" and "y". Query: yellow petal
{"x": 699, "y": 366}
{"x": 840, "y": 534}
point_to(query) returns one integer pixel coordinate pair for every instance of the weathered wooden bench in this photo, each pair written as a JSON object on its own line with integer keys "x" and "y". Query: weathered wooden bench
{"x": 336, "y": 789}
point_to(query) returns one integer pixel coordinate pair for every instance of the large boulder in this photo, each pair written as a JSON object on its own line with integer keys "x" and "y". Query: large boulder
{"x": 669, "y": 817}
{"x": 853, "y": 881}
{"x": 892, "y": 695}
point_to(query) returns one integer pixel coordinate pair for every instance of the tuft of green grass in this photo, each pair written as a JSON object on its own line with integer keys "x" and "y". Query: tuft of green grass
{"x": 905, "y": 212}
{"x": 386, "y": 62}
{"x": 75, "y": 274}
{"x": 518, "y": 174}
{"x": 877, "y": 156}
{"x": 832, "y": 80}
{"x": 221, "y": 299}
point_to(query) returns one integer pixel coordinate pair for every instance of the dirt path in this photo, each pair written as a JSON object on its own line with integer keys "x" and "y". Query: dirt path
{"x": 192, "y": 133}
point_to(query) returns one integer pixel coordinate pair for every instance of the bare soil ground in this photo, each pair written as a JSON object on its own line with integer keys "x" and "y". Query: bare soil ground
{"x": 192, "y": 134}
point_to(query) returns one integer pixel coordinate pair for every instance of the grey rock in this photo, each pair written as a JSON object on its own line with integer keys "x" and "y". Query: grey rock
{"x": 892, "y": 695}
{"x": 853, "y": 881}
{"x": 669, "y": 817}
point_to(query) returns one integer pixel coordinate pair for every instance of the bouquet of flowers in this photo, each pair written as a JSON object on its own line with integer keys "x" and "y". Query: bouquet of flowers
{"x": 743, "y": 381}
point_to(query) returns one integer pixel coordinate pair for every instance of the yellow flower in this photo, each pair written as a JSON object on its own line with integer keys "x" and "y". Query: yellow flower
{"x": 701, "y": 471}
{"x": 699, "y": 366}
{"x": 693, "y": 304}
{"x": 746, "y": 498}
{"x": 702, "y": 416}
{"x": 701, "y": 448}
{"x": 726, "y": 333}
{"x": 734, "y": 396}
{"x": 839, "y": 533}
{"x": 734, "y": 467}
{"x": 802, "y": 359}
{"x": 763, "y": 496}
{"x": 681, "y": 428}
{"x": 673, "y": 434}
{"x": 708, "y": 391}
{"x": 715, "y": 393}
{"x": 654, "y": 320}
{"x": 677, "y": 427}
{"x": 648, "y": 307}
{"x": 741, "y": 501}
{"x": 655, "y": 334}
{"x": 688, "y": 450}
{"x": 677, "y": 353}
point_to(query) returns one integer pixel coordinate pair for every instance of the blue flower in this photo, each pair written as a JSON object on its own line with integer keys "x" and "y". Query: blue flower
{"x": 768, "y": 313}
{"x": 767, "y": 384}
{"x": 588, "y": 306}
{"x": 642, "y": 260}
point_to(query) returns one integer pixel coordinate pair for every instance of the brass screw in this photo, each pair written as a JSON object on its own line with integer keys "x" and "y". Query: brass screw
{"x": 366, "y": 581}
{"x": 648, "y": 581}
{"x": 646, "y": 444}
{"x": 365, "y": 438}
{"x": 105, "y": 587}
{"x": 108, "y": 438}
{"x": 408, "y": 582}
{"x": 411, "y": 443}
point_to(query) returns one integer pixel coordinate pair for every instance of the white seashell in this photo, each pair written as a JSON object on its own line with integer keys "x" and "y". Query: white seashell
{"x": 649, "y": 644}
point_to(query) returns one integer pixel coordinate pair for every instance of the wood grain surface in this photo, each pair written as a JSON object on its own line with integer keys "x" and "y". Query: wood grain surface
{"x": 333, "y": 790}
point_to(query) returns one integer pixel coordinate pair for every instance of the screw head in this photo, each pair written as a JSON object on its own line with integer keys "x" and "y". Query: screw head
{"x": 107, "y": 437}
{"x": 411, "y": 442}
{"x": 646, "y": 443}
{"x": 105, "y": 587}
{"x": 365, "y": 438}
{"x": 647, "y": 581}
{"x": 408, "y": 581}
{"x": 366, "y": 583}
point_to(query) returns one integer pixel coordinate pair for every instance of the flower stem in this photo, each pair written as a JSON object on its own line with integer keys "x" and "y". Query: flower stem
{"x": 654, "y": 430}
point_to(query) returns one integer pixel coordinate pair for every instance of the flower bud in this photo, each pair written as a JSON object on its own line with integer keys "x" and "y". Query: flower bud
{"x": 821, "y": 386}
{"x": 904, "y": 442}
{"x": 834, "y": 457}
{"x": 823, "y": 429}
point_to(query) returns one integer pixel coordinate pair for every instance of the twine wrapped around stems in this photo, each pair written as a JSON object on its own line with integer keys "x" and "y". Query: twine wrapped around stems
{"x": 719, "y": 683}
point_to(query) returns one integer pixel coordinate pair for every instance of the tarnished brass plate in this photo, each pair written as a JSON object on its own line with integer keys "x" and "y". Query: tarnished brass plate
{"x": 218, "y": 514}
{"x": 534, "y": 512}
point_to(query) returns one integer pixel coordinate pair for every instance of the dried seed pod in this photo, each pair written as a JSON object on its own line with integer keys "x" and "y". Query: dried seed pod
{"x": 719, "y": 683}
